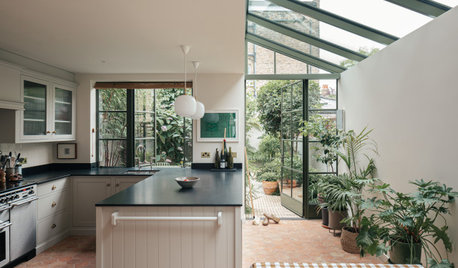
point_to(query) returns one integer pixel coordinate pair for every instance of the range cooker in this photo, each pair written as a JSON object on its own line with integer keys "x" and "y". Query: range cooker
{"x": 18, "y": 208}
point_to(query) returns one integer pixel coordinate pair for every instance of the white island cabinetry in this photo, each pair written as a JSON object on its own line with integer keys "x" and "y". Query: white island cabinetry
{"x": 154, "y": 241}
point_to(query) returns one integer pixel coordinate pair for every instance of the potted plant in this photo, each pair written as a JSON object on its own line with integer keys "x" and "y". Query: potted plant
{"x": 269, "y": 182}
{"x": 407, "y": 224}
{"x": 334, "y": 199}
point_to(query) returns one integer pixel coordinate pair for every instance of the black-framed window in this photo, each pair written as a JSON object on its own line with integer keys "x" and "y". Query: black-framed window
{"x": 140, "y": 127}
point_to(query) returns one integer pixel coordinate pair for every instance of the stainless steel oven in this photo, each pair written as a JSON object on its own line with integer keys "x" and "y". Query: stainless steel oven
{"x": 4, "y": 235}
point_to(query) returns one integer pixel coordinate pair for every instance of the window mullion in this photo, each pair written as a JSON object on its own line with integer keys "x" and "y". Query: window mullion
{"x": 130, "y": 141}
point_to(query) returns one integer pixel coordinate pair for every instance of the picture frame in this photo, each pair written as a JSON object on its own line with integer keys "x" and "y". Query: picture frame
{"x": 210, "y": 128}
{"x": 66, "y": 151}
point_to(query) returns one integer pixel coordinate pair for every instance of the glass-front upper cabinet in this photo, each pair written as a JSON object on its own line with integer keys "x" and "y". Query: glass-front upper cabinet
{"x": 49, "y": 111}
{"x": 63, "y": 111}
{"x": 35, "y": 108}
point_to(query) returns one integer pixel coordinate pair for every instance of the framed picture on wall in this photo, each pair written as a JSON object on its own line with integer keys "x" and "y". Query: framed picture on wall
{"x": 211, "y": 127}
{"x": 66, "y": 151}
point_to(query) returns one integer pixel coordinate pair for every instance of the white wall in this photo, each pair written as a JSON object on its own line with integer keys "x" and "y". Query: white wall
{"x": 215, "y": 91}
{"x": 408, "y": 94}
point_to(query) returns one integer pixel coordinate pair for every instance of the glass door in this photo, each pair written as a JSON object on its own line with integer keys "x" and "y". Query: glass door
{"x": 292, "y": 147}
{"x": 63, "y": 111}
{"x": 35, "y": 108}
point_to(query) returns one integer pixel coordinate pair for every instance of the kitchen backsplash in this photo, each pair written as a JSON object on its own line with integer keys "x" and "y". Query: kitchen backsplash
{"x": 36, "y": 153}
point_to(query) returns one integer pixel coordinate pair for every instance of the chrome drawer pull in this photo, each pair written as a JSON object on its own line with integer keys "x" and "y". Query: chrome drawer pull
{"x": 115, "y": 218}
{"x": 53, "y": 226}
{"x": 53, "y": 204}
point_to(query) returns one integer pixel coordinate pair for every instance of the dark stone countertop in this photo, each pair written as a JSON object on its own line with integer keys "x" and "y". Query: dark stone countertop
{"x": 161, "y": 189}
{"x": 46, "y": 176}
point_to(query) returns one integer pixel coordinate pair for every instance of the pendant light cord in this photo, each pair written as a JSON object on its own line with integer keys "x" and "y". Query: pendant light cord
{"x": 185, "y": 73}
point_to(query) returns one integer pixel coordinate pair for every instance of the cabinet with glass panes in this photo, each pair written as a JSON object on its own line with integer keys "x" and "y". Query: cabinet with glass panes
{"x": 49, "y": 111}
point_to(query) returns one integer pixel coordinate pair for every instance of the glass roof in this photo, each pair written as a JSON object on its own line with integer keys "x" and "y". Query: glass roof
{"x": 380, "y": 15}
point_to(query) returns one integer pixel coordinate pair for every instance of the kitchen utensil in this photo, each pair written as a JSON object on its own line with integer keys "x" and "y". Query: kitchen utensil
{"x": 187, "y": 182}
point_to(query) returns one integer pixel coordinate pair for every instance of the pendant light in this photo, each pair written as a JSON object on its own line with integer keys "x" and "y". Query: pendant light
{"x": 185, "y": 105}
{"x": 200, "y": 108}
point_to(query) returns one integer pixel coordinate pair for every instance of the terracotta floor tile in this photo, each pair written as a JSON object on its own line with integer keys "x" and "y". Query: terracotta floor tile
{"x": 289, "y": 241}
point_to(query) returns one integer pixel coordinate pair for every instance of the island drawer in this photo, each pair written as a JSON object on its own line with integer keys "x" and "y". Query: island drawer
{"x": 53, "y": 186}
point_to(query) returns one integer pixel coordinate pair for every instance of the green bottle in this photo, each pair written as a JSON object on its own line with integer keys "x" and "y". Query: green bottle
{"x": 217, "y": 159}
{"x": 230, "y": 159}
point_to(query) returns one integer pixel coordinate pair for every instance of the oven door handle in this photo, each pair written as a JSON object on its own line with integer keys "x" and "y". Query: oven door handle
{"x": 23, "y": 202}
{"x": 3, "y": 226}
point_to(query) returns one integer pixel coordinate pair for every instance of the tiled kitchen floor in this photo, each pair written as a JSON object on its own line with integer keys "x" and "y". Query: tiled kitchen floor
{"x": 74, "y": 251}
{"x": 288, "y": 241}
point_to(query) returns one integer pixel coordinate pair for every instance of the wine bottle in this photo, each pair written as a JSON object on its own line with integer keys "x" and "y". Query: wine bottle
{"x": 230, "y": 159}
{"x": 223, "y": 163}
{"x": 217, "y": 159}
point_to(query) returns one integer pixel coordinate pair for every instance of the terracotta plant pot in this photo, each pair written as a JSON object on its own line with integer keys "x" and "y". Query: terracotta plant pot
{"x": 334, "y": 219}
{"x": 348, "y": 240}
{"x": 269, "y": 187}
{"x": 407, "y": 253}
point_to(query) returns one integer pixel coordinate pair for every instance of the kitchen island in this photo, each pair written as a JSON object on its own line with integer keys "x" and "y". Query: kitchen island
{"x": 155, "y": 223}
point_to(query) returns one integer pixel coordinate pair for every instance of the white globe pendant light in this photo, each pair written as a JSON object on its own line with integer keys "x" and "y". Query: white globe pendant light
{"x": 185, "y": 105}
{"x": 200, "y": 107}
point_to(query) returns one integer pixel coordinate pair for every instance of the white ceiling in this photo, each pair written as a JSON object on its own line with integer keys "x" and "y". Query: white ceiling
{"x": 126, "y": 36}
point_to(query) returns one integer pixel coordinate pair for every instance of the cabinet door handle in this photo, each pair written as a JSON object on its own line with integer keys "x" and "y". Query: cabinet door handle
{"x": 117, "y": 184}
{"x": 54, "y": 132}
{"x": 53, "y": 188}
{"x": 47, "y": 132}
{"x": 108, "y": 184}
{"x": 53, "y": 226}
{"x": 53, "y": 204}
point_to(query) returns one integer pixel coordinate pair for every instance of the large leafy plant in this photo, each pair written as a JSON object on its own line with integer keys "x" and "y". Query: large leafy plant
{"x": 418, "y": 217}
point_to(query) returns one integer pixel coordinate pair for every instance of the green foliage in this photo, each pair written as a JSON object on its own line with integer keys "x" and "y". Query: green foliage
{"x": 269, "y": 102}
{"x": 269, "y": 148}
{"x": 409, "y": 218}
{"x": 269, "y": 176}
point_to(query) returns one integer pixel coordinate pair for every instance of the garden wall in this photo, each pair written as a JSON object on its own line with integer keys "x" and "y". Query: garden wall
{"x": 408, "y": 94}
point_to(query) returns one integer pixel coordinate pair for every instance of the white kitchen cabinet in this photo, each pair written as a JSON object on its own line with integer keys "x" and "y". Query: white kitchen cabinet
{"x": 169, "y": 244}
{"x": 54, "y": 213}
{"x": 87, "y": 191}
{"x": 49, "y": 112}
{"x": 122, "y": 183}
{"x": 10, "y": 85}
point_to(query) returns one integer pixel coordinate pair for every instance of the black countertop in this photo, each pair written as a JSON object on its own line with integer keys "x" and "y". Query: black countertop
{"x": 43, "y": 177}
{"x": 161, "y": 189}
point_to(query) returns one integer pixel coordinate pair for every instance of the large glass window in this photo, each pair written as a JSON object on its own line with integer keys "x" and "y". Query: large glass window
{"x": 139, "y": 127}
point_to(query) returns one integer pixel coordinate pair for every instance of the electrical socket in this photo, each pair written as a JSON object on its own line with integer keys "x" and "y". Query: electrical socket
{"x": 205, "y": 154}
{"x": 234, "y": 155}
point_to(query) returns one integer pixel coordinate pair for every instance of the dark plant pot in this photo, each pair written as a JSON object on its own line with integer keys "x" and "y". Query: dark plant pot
{"x": 348, "y": 240}
{"x": 325, "y": 216}
{"x": 269, "y": 187}
{"x": 405, "y": 253}
{"x": 335, "y": 217}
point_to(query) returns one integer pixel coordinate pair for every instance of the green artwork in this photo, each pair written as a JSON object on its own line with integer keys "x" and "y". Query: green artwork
{"x": 212, "y": 125}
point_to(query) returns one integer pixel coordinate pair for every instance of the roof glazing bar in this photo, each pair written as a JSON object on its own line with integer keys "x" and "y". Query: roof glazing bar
{"x": 292, "y": 76}
{"x": 425, "y": 7}
{"x": 295, "y": 54}
{"x": 309, "y": 39}
{"x": 338, "y": 21}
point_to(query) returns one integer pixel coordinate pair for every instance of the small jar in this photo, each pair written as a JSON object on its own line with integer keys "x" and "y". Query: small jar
{"x": 2, "y": 176}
